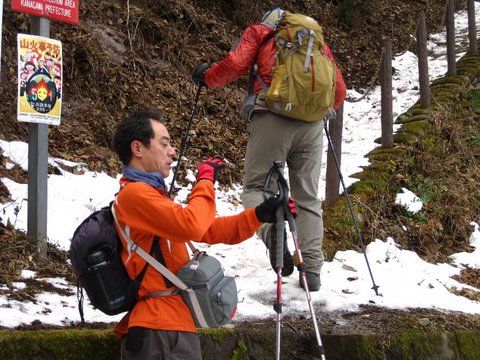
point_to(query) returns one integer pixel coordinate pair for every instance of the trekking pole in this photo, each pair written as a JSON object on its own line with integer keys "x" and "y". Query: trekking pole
{"x": 300, "y": 264}
{"x": 330, "y": 116}
{"x": 185, "y": 138}
{"x": 280, "y": 230}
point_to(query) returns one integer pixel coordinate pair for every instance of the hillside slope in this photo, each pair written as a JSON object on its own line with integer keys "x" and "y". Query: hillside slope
{"x": 140, "y": 53}
{"x": 123, "y": 55}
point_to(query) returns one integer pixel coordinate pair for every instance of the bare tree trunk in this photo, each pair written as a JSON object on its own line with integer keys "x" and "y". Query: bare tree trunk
{"x": 472, "y": 28}
{"x": 423, "y": 61}
{"x": 332, "y": 178}
{"x": 452, "y": 65}
{"x": 387, "y": 102}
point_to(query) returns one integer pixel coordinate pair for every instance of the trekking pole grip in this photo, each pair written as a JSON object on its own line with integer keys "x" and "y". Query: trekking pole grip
{"x": 280, "y": 232}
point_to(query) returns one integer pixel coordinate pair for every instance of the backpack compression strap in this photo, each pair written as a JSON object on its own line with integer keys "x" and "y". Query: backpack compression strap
{"x": 311, "y": 35}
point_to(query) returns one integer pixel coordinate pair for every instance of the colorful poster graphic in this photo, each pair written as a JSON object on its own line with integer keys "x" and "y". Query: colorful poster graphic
{"x": 39, "y": 79}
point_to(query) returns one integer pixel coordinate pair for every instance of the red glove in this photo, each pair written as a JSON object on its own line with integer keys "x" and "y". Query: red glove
{"x": 291, "y": 207}
{"x": 209, "y": 169}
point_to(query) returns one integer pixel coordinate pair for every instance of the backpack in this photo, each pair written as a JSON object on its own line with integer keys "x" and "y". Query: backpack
{"x": 304, "y": 78}
{"x": 95, "y": 257}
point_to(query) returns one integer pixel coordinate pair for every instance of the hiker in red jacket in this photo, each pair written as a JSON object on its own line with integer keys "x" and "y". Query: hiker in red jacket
{"x": 275, "y": 137}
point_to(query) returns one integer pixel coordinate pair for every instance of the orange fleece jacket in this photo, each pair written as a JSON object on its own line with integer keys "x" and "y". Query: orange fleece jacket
{"x": 148, "y": 212}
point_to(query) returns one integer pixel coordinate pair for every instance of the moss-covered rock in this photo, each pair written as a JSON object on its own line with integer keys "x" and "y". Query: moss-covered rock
{"x": 416, "y": 344}
{"x": 449, "y": 81}
{"x": 382, "y": 154}
{"x": 412, "y": 118}
{"x": 59, "y": 344}
{"x": 371, "y": 174}
{"x": 404, "y": 138}
{"x": 419, "y": 127}
{"x": 247, "y": 344}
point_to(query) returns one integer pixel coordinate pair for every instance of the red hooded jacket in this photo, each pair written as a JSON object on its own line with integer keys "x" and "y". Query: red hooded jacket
{"x": 257, "y": 45}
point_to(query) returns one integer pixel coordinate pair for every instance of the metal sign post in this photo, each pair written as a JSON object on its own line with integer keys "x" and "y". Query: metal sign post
{"x": 42, "y": 11}
{"x": 38, "y": 167}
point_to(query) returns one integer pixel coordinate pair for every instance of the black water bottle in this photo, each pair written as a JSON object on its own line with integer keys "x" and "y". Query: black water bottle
{"x": 107, "y": 289}
{"x": 98, "y": 288}
{"x": 96, "y": 260}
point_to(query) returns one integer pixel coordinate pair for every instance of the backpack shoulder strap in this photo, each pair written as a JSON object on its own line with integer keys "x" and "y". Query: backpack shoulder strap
{"x": 140, "y": 276}
{"x": 159, "y": 256}
{"x": 254, "y": 75}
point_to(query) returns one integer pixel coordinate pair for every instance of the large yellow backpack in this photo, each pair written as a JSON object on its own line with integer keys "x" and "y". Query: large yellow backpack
{"x": 303, "y": 79}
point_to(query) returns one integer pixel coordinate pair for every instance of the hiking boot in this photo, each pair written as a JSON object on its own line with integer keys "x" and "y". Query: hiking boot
{"x": 313, "y": 281}
{"x": 287, "y": 257}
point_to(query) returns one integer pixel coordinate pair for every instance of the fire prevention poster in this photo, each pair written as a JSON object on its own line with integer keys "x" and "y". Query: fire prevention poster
{"x": 39, "y": 79}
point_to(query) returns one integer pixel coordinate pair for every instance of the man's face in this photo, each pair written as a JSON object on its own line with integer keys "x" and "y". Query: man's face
{"x": 159, "y": 156}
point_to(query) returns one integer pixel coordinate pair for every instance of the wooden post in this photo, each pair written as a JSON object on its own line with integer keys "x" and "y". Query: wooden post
{"x": 387, "y": 103}
{"x": 472, "y": 28}
{"x": 452, "y": 64}
{"x": 425, "y": 95}
{"x": 332, "y": 178}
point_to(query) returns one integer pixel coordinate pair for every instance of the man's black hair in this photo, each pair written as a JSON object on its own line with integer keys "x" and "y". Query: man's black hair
{"x": 137, "y": 126}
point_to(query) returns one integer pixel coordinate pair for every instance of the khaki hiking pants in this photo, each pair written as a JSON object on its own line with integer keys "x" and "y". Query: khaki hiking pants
{"x": 300, "y": 144}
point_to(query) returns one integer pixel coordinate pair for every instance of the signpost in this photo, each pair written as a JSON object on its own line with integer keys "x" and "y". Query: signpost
{"x": 38, "y": 168}
{"x": 42, "y": 11}
{"x": 59, "y": 10}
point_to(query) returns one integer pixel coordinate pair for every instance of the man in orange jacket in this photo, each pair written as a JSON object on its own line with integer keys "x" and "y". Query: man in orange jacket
{"x": 275, "y": 137}
{"x": 163, "y": 324}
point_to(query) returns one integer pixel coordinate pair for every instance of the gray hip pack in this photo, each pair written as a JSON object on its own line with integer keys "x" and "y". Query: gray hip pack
{"x": 251, "y": 103}
{"x": 210, "y": 295}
